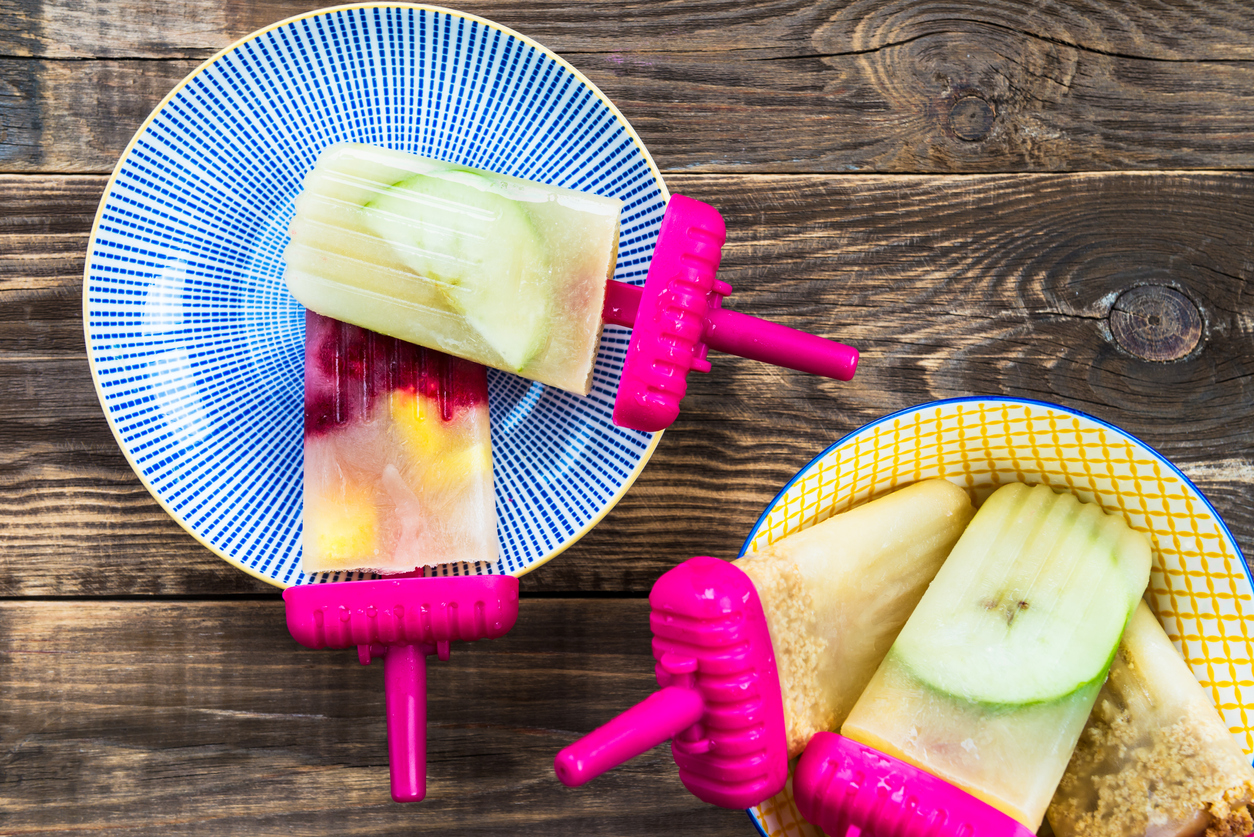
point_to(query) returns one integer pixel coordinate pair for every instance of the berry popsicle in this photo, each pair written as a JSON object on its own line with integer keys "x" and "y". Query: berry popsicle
{"x": 1155, "y": 759}
{"x": 754, "y": 656}
{"x": 516, "y": 275}
{"x": 398, "y": 461}
{"x": 990, "y": 682}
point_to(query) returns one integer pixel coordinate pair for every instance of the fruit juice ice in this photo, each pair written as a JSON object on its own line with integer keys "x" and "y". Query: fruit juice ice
{"x": 836, "y": 594}
{"x": 398, "y": 454}
{"x": 494, "y": 269}
{"x": 1155, "y": 759}
{"x": 991, "y": 680}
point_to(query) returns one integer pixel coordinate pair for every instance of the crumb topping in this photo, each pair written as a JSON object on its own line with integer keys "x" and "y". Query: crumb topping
{"x": 1177, "y": 779}
{"x": 789, "y": 608}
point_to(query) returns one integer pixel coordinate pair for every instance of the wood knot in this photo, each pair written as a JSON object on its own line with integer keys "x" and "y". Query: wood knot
{"x": 971, "y": 118}
{"x": 1154, "y": 322}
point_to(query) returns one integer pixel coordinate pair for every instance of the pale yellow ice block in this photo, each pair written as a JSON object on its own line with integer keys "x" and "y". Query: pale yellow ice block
{"x": 991, "y": 680}
{"x": 498, "y": 270}
{"x": 1155, "y": 759}
{"x": 836, "y": 594}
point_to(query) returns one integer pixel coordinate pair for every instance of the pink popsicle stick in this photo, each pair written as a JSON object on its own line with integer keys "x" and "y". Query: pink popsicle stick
{"x": 403, "y": 619}
{"x": 659, "y": 717}
{"x": 622, "y": 303}
{"x": 749, "y": 337}
{"x": 405, "y": 685}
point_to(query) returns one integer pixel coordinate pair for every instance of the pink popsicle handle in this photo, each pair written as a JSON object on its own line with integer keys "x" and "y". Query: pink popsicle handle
{"x": 719, "y": 699}
{"x": 659, "y": 717}
{"x": 403, "y": 619}
{"x": 749, "y": 337}
{"x": 677, "y": 317}
{"x": 405, "y": 684}
{"x": 852, "y": 790}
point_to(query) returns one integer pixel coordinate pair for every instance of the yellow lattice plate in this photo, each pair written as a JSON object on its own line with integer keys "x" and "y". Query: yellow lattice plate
{"x": 1199, "y": 586}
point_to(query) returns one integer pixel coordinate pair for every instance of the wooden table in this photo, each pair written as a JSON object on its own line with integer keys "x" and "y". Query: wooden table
{"x": 1051, "y": 201}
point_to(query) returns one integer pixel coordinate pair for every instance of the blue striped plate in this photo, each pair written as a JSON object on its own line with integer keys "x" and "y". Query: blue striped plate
{"x": 195, "y": 344}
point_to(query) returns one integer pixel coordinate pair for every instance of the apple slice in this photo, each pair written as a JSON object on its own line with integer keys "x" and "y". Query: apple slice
{"x": 1030, "y": 605}
{"x": 479, "y": 247}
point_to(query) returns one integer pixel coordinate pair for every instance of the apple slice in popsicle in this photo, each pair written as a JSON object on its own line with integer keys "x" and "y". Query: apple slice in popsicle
{"x": 480, "y": 249}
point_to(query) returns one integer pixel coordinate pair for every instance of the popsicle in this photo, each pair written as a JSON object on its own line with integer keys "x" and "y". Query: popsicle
{"x": 754, "y": 656}
{"x": 398, "y": 454}
{"x": 991, "y": 680}
{"x": 516, "y": 275}
{"x": 486, "y": 267}
{"x": 1155, "y": 759}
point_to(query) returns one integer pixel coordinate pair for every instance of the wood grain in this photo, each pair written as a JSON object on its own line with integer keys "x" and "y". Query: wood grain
{"x": 182, "y": 718}
{"x": 950, "y": 286}
{"x": 1170, "y": 30}
{"x": 1008, "y": 197}
{"x": 902, "y": 86}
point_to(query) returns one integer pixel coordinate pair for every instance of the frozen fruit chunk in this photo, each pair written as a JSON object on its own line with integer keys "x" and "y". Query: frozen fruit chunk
{"x": 480, "y": 249}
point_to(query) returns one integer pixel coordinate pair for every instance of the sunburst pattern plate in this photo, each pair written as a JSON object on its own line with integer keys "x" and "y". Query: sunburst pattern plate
{"x": 194, "y": 342}
{"x": 1199, "y": 587}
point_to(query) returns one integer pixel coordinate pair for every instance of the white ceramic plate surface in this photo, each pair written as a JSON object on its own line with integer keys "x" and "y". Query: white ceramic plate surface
{"x": 195, "y": 344}
{"x": 1199, "y": 587}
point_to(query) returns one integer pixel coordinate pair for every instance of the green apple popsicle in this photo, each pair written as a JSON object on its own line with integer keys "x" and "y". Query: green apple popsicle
{"x": 494, "y": 269}
{"x": 991, "y": 680}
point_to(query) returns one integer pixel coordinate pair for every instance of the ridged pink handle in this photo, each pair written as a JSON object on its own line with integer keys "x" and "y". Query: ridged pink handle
{"x": 678, "y": 316}
{"x": 852, "y": 790}
{"x": 659, "y": 717}
{"x": 718, "y": 701}
{"x": 403, "y": 619}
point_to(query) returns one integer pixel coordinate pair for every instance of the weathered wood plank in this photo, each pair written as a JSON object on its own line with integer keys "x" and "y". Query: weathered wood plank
{"x": 77, "y": 116}
{"x": 1177, "y": 30}
{"x": 949, "y": 285}
{"x": 810, "y": 87}
{"x": 43, "y": 237}
{"x": 193, "y": 718}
